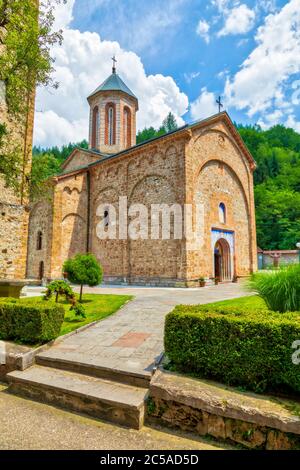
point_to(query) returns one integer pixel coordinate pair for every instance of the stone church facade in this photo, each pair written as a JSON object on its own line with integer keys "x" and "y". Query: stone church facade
{"x": 205, "y": 164}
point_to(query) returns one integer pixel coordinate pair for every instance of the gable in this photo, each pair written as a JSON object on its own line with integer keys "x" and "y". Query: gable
{"x": 78, "y": 159}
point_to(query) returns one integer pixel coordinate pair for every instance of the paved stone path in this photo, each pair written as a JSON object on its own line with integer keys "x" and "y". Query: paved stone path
{"x": 132, "y": 339}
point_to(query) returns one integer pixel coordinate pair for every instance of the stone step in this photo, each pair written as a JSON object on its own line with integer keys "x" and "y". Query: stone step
{"x": 99, "y": 398}
{"x": 102, "y": 369}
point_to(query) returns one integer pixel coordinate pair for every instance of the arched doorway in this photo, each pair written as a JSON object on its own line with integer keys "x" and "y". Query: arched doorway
{"x": 222, "y": 260}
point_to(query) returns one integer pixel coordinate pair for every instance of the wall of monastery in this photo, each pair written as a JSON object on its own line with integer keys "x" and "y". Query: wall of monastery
{"x": 150, "y": 175}
{"x": 62, "y": 220}
{"x": 217, "y": 172}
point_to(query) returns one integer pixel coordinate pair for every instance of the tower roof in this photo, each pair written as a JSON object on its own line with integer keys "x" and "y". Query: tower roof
{"x": 113, "y": 83}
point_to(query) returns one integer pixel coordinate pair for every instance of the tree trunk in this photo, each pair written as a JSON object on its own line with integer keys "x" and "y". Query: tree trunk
{"x": 56, "y": 299}
{"x": 80, "y": 296}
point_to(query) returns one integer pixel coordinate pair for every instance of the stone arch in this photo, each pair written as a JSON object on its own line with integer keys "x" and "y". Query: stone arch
{"x": 171, "y": 151}
{"x": 148, "y": 259}
{"x": 232, "y": 142}
{"x": 73, "y": 236}
{"x": 215, "y": 160}
{"x": 217, "y": 183}
{"x": 69, "y": 190}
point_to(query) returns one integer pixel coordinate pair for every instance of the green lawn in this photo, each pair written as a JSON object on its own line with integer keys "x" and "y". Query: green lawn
{"x": 252, "y": 302}
{"x": 97, "y": 307}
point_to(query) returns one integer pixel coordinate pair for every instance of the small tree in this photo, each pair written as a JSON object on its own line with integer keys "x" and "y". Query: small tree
{"x": 83, "y": 269}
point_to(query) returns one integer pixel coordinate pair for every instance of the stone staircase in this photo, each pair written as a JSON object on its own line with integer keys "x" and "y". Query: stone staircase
{"x": 101, "y": 392}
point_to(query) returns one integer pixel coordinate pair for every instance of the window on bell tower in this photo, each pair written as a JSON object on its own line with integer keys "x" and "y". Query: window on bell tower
{"x": 110, "y": 133}
{"x": 127, "y": 127}
{"x": 95, "y": 127}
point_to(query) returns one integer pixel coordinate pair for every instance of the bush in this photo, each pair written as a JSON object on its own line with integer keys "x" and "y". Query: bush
{"x": 60, "y": 288}
{"x": 30, "y": 323}
{"x": 83, "y": 269}
{"x": 280, "y": 289}
{"x": 235, "y": 346}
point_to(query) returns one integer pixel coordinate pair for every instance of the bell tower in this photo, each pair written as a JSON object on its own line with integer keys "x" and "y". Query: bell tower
{"x": 113, "y": 109}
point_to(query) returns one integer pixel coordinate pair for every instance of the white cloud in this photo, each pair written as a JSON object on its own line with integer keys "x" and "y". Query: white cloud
{"x": 63, "y": 14}
{"x": 189, "y": 77}
{"x": 82, "y": 63}
{"x": 291, "y": 122}
{"x": 203, "y": 30}
{"x": 261, "y": 83}
{"x": 238, "y": 20}
{"x": 204, "y": 106}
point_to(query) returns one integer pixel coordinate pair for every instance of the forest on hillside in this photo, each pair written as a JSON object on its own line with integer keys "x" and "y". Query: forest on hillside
{"x": 277, "y": 177}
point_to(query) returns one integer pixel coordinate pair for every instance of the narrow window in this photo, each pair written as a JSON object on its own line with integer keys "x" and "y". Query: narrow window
{"x": 39, "y": 241}
{"x": 111, "y": 126}
{"x": 95, "y": 127}
{"x": 127, "y": 127}
{"x": 222, "y": 213}
{"x": 41, "y": 270}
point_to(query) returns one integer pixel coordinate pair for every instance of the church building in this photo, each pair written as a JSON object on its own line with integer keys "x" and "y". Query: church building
{"x": 205, "y": 164}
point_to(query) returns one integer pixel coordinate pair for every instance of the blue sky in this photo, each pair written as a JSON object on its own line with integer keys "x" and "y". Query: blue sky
{"x": 186, "y": 53}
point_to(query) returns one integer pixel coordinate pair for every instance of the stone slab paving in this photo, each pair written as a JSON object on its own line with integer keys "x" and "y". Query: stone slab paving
{"x": 132, "y": 339}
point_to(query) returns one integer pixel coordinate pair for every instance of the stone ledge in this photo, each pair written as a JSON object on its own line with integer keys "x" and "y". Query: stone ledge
{"x": 222, "y": 412}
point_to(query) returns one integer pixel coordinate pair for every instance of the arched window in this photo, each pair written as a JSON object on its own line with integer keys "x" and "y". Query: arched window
{"x": 127, "y": 127}
{"x": 222, "y": 213}
{"x": 95, "y": 127}
{"x": 39, "y": 241}
{"x": 110, "y": 119}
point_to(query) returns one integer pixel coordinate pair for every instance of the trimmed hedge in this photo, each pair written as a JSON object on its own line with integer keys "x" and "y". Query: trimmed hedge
{"x": 29, "y": 323}
{"x": 251, "y": 349}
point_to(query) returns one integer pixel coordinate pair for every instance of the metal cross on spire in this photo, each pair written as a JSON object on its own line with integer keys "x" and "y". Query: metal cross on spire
{"x": 220, "y": 104}
{"x": 114, "y": 70}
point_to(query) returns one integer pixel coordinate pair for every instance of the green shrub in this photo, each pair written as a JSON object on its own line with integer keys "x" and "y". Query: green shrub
{"x": 30, "y": 323}
{"x": 235, "y": 346}
{"x": 60, "y": 288}
{"x": 280, "y": 289}
{"x": 83, "y": 269}
{"x": 79, "y": 310}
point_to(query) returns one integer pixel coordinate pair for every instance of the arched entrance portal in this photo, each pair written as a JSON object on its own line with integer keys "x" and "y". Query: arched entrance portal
{"x": 222, "y": 259}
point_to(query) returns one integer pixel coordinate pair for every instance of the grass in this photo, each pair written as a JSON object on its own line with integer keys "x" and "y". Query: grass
{"x": 97, "y": 307}
{"x": 252, "y": 302}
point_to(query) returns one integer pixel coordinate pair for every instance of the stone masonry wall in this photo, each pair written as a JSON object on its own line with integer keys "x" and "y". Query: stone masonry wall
{"x": 153, "y": 175}
{"x": 217, "y": 172}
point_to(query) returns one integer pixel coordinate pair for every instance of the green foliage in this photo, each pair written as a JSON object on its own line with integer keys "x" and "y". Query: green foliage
{"x": 280, "y": 290}
{"x": 277, "y": 184}
{"x": 26, "y": 36}
{"x": 79, "y": 310}
{"x": 60, "y": 154}
{"x": 30, "y": 323}
{"x": 10, "y": 161}
{"x": 83, "y": 269}
{"x": 43, "y": 167}
{"x": 60, "y": 288}
{"x": 170, "y": 123}
{"x": 235, "y": 345}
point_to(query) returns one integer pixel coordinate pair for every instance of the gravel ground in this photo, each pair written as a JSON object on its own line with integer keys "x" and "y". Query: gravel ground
{"x": 30, "y": 425}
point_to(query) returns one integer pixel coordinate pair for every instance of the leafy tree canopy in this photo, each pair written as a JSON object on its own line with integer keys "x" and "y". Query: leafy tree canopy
{"x": 25, "y": 39}
{"x": 83, "y": 269}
